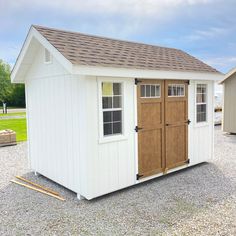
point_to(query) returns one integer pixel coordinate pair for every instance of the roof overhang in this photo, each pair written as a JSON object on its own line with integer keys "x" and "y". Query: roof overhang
{"x": 27, "y": 54}
{"x": 150, "y": 74}
{"x": 226, "y": 76}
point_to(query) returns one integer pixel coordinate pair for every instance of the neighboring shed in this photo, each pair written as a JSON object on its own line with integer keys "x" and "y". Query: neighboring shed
{"x": 105, "y": 114}
{"x": 229, "y": 101}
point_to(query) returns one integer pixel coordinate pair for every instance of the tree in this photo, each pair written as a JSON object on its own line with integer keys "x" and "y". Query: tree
{"x": 5, "y": 82}
{"x": 13, "y": 94}
{"x": 17, "y": 97}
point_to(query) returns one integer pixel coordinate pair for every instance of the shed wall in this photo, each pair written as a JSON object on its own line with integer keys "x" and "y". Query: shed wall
{"x": 229, "y": 109}
{"x": 54, "y": 107}
{"x": 201, "y": 135}
{"x": 113, "y": 165}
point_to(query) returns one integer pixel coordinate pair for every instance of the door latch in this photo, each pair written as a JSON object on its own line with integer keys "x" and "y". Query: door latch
{"x": 188, "y": 121}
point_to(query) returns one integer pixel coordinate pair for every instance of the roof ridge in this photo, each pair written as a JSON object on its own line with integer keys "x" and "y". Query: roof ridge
{"x": 105, "y": 37}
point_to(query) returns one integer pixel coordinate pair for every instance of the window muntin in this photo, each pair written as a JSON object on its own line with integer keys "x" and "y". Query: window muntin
{"x": 150, "y": 90}
{"x": 176, "y": 90}
{"x": 201, "y": 103}
{"x": 112, "y": 108}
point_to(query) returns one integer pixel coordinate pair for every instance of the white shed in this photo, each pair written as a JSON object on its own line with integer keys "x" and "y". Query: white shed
{"x": 105, "y": 114}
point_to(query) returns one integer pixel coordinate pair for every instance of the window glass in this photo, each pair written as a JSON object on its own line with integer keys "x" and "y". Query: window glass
{"x": 117, "y": 102}
{"x": 117, "y": 89}
{"x": 107, "y": 89}
{"x": 201, "y": 103}
{"x": 153, "y": 90}
{"x": 112, "y": 108}
{"x": 150, "y": 90}
{"x": 176, "y": 90}
{"x": 143, "y": 93}
{"x": 107, "y": 102}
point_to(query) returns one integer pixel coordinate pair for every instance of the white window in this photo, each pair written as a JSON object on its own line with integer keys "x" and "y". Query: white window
{"x": 201, "y": 103}
{"x": 47, "y": 57}
{"x": 176, "y": 90}
{"x": 150, "y": 90}
{"x": 112, "y": 108}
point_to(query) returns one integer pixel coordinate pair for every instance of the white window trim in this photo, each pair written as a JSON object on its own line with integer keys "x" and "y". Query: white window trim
{"x": 176, "y": 96}
{"x": 115, "y": 137}
{"x": 50, "y": 54}
{"x": 145, "y": 91}
{"x": 203, "y": 123}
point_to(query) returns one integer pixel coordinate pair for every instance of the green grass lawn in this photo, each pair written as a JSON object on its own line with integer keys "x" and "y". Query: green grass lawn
{"x": 18, "y": 125}
{"x": 13, "y": 114}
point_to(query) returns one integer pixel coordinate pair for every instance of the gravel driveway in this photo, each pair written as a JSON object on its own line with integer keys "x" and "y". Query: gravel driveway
{"x": 197, "y": 201}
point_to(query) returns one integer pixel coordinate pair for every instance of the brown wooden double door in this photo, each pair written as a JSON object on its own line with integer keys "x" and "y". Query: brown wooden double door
{"x": 162, "y": 125}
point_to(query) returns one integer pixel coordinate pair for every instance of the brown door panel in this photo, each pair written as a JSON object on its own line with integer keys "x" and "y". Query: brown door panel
{"x": 175, "y": 145}
{"x": 150, "y": 150}
{"x": 151, "y": 135}
{"x": 176, "y": 126}
{"x": 163, "y": 128}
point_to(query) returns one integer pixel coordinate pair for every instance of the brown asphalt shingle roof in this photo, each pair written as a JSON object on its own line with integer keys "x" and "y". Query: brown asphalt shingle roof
{"x": 82, "y": 49}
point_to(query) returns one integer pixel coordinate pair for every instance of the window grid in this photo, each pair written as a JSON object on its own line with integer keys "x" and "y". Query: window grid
{"x": 176, "y": 90}
{"x": 150, "y": 91}
{"x": 201, "y": 103}
{"x": 112, "y": 108}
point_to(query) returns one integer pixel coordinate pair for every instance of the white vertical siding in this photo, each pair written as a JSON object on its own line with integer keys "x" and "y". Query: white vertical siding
{"x": 201, "y": 134}
{"x": 54, "y": 109}
{"x": 54, "y": 116}
{"x": 111, "y": 165}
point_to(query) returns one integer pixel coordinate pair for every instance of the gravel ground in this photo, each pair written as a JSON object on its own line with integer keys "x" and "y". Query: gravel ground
{"x": 197, "y": 201}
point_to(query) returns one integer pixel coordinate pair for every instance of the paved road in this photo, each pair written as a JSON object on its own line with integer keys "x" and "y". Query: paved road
{"x": 15, "y": 110}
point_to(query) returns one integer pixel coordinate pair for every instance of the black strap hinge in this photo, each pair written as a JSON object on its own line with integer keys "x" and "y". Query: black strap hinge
{"x": 136, "y": 81}
{"x": 138, "y": 176}
{"x": 187, "y": 161}
{"x": 137, "y": 128}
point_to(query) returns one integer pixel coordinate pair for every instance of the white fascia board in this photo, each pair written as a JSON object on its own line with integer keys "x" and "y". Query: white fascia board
{"x": 33, "y": 33}
{"x": 148, "y": 74}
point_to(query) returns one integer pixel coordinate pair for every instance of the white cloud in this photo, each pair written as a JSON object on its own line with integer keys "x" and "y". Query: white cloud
{"x": 212, "y": 32}
{"x": 131, "y": 7}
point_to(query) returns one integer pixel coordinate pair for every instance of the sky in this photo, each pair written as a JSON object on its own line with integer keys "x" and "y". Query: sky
{"x": 205, "y": 29}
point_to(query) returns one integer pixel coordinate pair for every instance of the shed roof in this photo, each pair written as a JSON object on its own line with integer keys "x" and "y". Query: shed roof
{"x": 83, "y": 49}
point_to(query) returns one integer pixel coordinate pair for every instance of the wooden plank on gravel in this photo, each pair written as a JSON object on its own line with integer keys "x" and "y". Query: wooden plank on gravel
{"x": 38, "y": 186}
{"x": 38, "y": 190}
